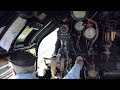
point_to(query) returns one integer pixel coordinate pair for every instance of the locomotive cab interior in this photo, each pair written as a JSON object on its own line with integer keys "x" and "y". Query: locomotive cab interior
{"x": 64, "y": 35}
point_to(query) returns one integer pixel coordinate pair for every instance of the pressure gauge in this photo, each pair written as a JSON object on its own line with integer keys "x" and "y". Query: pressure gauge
{"x": 79, "y": 26}
{"x": 90, "y": 33}
{"x": 64, "y": 28}
{"x": 79, "y": 15}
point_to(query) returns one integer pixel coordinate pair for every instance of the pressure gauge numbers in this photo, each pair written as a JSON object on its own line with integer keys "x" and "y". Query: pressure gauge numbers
{"x": 79, "y": 26}
{"x": 79, "y": 15}
{"x": 88, "y": 28}
{"x": 64, "y": 28}
{"x": 89, "y": 33}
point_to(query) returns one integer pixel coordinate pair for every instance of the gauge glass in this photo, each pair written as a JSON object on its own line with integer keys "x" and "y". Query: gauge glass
{"x": 90, "y": 33}
{"x": 79, "y": 26}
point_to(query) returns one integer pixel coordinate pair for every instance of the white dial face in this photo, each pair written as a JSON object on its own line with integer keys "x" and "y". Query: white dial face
{"x": 64, "y": 28}
{"x": 90, "y": 33}
{"x": 79, "y": 26}
{"x": 79, "y": 14}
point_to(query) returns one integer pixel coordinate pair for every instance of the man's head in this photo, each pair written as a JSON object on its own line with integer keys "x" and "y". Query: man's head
{"x": 23, "y": 62}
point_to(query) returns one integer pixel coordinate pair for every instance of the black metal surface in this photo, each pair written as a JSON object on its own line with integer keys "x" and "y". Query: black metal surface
{"x": 113, "y": 74}
{"x": 107, "y": 21}
{"x": 12, "y": 19}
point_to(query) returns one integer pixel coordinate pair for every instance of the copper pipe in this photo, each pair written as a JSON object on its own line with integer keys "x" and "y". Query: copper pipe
{"x": 113, "y": 35}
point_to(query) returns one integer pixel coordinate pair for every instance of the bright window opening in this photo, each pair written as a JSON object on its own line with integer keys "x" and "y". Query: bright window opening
{"x": 45, "y": 50}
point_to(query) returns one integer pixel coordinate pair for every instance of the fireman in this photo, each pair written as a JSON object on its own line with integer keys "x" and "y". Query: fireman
{"x": 24, "y": 66}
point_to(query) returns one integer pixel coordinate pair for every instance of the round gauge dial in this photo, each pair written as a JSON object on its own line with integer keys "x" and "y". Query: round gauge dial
{"x": 79, "y": 26}
{"x": 79, "y": 15}
{"x": 64, "y": 28}
{"x": 90, "y": 33}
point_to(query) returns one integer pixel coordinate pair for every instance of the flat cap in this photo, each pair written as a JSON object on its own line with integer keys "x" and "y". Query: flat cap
{"x": 22, "y": 58}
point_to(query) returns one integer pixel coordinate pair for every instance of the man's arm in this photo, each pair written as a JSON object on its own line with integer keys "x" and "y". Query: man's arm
{"x": 74, "y": 73}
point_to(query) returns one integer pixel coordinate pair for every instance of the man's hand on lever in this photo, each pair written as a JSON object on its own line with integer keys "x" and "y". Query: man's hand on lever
{"x": 74, "y": 73}
{"x": 79, "y": 60}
